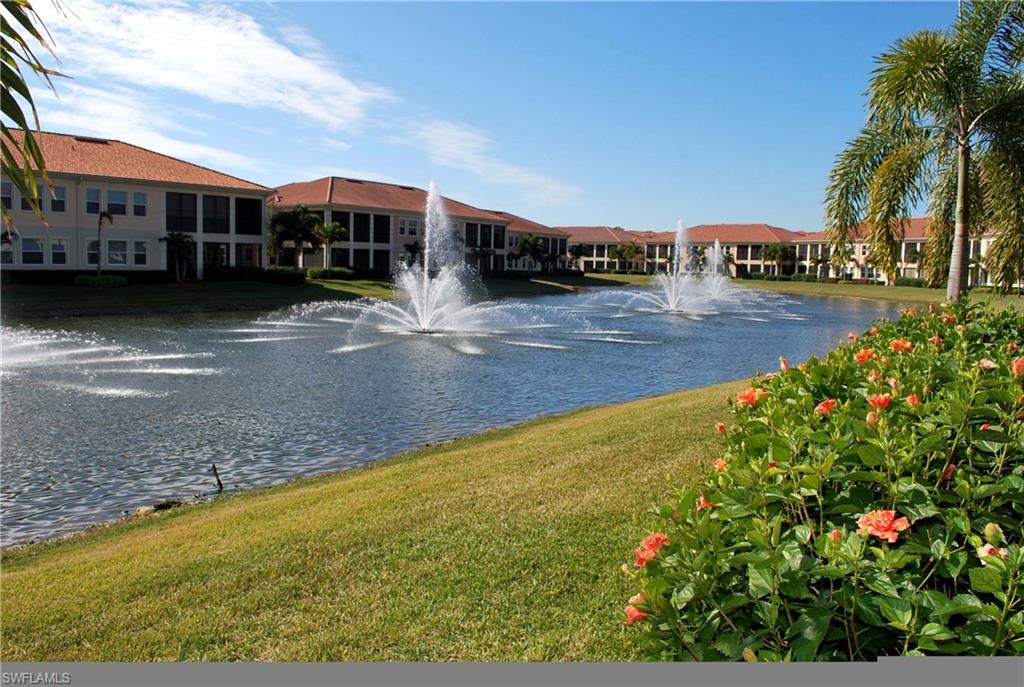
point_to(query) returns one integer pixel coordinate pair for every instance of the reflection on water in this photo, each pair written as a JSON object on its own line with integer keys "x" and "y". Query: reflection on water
{"x": 107, "y": 415}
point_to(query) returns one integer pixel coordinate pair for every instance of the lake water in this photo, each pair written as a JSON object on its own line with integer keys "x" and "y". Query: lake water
{"x": 102, "y": 416}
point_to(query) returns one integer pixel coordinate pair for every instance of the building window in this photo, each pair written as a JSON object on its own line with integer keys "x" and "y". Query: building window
{"x": 485, "y": 235}
{"x": 181, "y": 212}
{"x": 215, "y": 215}
{"x": 117, "y": 252}
{"x": 499, "y": 236}
{"x": 382, "y": 229}
{"x": 58, "y": 202}
{"x": 361, "y": 233}
{"x": 601, "y": 250}
{"x": 6, "y": 254}
{"x": 31, "y": 251}
{"x": 92, "y": 254}
{"x": 5, "y": 194}
{"x": 117, "y": 202}
{"x": 140, "y": 256}
{"x": 472, "y": 235}
{"x": 59, "y": 251}
{"x": 139, "y": 203}
{"x": 92, "y": 201}
{"x": 408, "y": 226}
{"x": 249, "y": 216}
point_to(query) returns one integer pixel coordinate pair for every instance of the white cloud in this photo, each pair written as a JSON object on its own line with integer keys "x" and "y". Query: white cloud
{"x": 463, "y": 147}
{"x": 127, "y": 115}
{"x": 334, "y": 144}
{"x": 211, "y": 51}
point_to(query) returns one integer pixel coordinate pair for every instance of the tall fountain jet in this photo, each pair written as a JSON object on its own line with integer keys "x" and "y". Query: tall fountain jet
{"x": 681, "y": 247}
{"x": 688, "y": 287}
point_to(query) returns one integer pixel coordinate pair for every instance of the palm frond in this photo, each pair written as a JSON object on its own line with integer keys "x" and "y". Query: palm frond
{"x": 896, "y": 187}
{"x": 22, "y": 158}
{"x": 849, "y": 183}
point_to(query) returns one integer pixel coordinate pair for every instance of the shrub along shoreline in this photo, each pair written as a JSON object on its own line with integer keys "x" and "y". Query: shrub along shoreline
{"x": 869, "y": 503}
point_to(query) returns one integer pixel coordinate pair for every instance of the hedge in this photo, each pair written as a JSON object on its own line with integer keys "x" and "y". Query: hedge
{"x": 866, "y": 504}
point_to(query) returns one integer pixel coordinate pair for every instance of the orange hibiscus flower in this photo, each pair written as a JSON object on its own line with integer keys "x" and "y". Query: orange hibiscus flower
{"x": 882, "y": 524}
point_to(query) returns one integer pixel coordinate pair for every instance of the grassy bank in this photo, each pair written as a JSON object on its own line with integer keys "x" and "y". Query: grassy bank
{"x": 503, "y": 546}
{"x": 903, "y": 294}
{"x": 24, "y": 301}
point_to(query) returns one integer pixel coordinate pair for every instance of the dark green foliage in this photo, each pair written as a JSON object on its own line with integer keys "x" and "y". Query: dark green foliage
{"x": 767, "y": 559}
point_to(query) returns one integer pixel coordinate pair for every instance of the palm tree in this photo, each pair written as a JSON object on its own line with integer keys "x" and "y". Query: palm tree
{"x": 22, "y": 158}
{"x": 819, "y": 261}
{"x": 774, "y": 253}
{"x": 104, "y": 216}
{"x": 576, "y": 253}
{"x": 180, "y": 244}
{"x": 729, "y": 260}
{"x": 298, "y": 225}
{"x": 329, "y": 233}
{"x": 699, "y": 256}
{"x": 412, "y": 252}
{"x": 627, "y": 253}
{"x": 532, "y": 247}
{"x": 842, "y": 257}
{"x": 946, "y": 120}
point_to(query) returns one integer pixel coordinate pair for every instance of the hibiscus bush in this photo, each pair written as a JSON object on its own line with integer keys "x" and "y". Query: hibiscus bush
{"x": 869, "y": 503}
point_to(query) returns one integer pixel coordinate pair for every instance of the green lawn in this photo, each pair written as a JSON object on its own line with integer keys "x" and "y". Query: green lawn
{"x": 506, "y": 546}
{"x": 24, "y": 301}
{"x": 903, "y": 294}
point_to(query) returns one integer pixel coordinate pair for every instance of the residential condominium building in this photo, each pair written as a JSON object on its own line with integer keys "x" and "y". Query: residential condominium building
{"x": 147, "y": 194}
{"x": 743, "y": 243}
{"x": 554, "y": 243}
{"x": 814, "y": 255}
{"x": 385, "y": 220}
{"x": 598, "y": 244}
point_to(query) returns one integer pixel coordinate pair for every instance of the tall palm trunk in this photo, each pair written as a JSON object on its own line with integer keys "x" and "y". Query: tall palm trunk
{"x": 956, "y": 283}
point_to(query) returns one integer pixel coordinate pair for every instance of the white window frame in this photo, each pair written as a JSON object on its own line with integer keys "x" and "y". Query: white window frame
{"x": 110, "y": 252}
{"x": 136, "y": 253}
{"x": 98, "y": 201}
{"x": 111, "y": 192}
{"x": 60, "y": 195}
{"x": 136, "y": 195}
{"x": 41, "y": 243}
{"x": 53, "y": 252}
{"x": 90, "y": 252}
{"x": 7, "y": 194}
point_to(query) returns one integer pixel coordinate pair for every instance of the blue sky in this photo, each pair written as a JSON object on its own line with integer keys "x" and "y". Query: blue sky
{"x": 626, "y": 114}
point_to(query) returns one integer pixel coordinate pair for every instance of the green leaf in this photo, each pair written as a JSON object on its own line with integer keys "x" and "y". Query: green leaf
{"x": 808, "y": 631}
{"x": 759, "y": 580}
{"x": 961, "y": 604}
{"x": 937, "y": 632}
{"x": 880, "y": 582}
{"x": 897, "y": 611}
{"x": 916, "y": 504}
{"x": 871, "y": 455}
{"x": 986, "y": 580}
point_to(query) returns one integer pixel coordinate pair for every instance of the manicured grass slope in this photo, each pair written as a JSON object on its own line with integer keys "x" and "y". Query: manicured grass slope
{"x": 503, "y": 546}
{"x": 902, "y": 294}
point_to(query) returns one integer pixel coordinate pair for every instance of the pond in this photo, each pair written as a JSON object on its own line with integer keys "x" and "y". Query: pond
{"x": 102, "y": 416}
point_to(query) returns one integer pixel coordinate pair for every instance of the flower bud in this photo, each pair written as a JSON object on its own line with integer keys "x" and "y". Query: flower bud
{"x": 993, "y": 534}
{"x": 836, "y": 537}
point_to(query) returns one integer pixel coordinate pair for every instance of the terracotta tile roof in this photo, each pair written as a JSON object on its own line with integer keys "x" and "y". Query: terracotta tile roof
{"x": 598, "y": 234}
{"x": 916, "y": 230}
{"x": 373, "y": 195}
{"x": 101, "y": 157}
{"x": 528, "y": 226}
{"x": 739, "y": 233}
